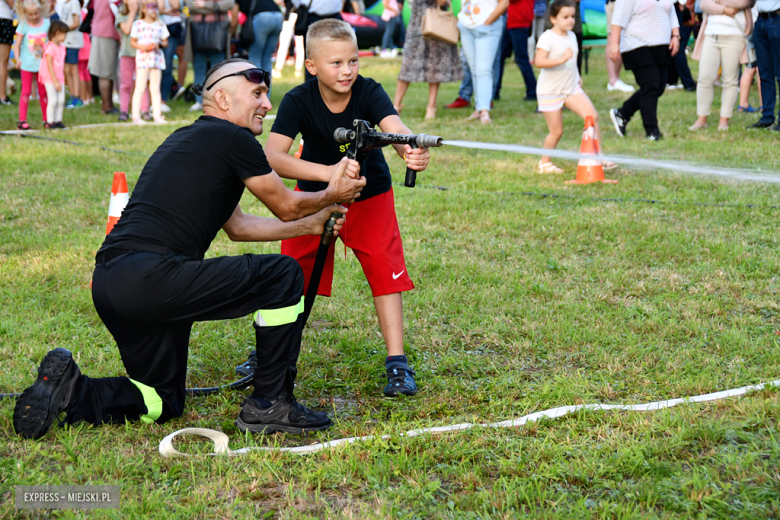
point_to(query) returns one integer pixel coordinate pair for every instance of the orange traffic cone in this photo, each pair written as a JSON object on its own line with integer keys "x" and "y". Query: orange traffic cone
{"x": 119, "y": 199}
{"x": 590, "y": 170}
{"x": 300, "y": 149}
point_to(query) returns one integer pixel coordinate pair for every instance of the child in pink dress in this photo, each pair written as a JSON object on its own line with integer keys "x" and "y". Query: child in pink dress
{"x": 52, "y": 73}
{"x": 148, "y": 36}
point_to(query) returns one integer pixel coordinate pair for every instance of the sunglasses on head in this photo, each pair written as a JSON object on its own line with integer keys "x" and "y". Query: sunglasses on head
{"x": 254, "y": 75}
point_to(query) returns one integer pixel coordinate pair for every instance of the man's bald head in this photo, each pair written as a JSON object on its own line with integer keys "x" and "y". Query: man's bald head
{"x": 235, "y": 98}
{"x": 220, "y": 70}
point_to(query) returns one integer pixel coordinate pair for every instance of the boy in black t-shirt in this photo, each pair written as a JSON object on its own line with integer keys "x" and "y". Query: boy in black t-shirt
{"x": 335, "y": 97}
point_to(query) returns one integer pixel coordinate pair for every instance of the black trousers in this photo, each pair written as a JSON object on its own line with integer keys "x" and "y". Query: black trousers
{"x": 649, "y": 65}
{"x": 149, "y": 302}
{"x": 678, "y": 64}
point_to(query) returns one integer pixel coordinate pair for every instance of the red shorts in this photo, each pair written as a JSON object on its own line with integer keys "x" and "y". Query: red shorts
{"x": 371, "y": 231}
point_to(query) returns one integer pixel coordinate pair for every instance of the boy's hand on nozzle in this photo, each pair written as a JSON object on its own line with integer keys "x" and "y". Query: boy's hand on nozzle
{"x": 416, "y": 159}
{"x": 344, "y": 188}
{"x": 321, "y": 218}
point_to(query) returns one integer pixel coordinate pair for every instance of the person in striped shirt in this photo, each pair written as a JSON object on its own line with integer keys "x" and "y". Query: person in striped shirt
{"x": 643, "y": 32}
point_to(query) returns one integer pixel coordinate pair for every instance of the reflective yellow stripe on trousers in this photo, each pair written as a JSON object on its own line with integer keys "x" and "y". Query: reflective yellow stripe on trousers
{"x": 275, "y": 317}
{"x": 151, "y": 400}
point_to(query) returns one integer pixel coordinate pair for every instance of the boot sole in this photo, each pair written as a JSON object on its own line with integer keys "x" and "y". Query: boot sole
{"x": 273, "y": 428}
{"x": 44, "y": 400}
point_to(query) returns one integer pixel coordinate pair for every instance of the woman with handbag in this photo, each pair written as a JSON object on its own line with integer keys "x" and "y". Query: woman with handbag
{"x": 207, "y": 38}
{"x": 721, "y": 46}
{"x": 426, "y": 59}
{"x": 481, "y": 24}
{"x": 260, "y": 32}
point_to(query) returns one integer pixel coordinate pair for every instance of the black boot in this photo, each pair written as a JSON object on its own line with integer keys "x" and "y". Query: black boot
{"x": 49, "y": 396}
{"x": 283, "y": 414}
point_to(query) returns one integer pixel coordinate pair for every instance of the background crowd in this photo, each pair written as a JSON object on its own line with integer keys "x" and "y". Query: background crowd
{"x": 129, "y": 46}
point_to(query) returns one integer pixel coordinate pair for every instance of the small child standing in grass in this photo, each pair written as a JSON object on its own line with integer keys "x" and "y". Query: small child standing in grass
{"x": 52, "y": 73}
{"x": 70, "y": 13}
{"x": 148, "y": 36}
{"x": 84, "y": 76}
{"x": 33, "y": 32}
{"x": 559, "y": 81}
{"x": 124, "y": 20}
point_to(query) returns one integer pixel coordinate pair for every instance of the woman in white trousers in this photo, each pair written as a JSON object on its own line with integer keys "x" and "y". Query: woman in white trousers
{"x": 720, "y": 46}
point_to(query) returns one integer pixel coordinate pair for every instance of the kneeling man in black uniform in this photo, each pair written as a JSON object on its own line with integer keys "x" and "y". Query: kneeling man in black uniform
{"x": 151, "y": 282}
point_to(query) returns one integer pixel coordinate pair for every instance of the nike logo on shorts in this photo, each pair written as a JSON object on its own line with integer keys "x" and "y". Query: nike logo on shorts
{"x": 396, "y": 276}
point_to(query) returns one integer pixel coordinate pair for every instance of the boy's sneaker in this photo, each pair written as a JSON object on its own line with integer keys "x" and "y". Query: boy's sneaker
{"x": 48, "y": 397}
{"x": 400, "y": 378}
{"x": 654, "y": 136}
{"x": 7, "y": 102}
{"x": 248, "y": 367}
{"x": 618, "y": 121}
{"x": 164, "y": 108}
{"x": 74, "y": 103}
{"x": 123, "y": 116}
{"x": 284, "y": 414}
{"x": 197, "y": 107}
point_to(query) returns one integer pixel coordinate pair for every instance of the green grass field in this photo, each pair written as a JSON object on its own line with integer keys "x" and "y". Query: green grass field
{"x": 523, "y": 303}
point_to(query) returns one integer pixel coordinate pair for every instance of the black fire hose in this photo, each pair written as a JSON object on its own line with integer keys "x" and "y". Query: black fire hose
{"x": 319, "y": 265}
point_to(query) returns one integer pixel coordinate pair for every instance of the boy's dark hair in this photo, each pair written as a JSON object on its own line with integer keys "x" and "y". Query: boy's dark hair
{"x": 56, "y": 27}
{"x": 557, "y": 5}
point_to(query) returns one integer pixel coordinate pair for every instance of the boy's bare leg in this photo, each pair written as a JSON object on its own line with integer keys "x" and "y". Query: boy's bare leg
{"x": 390, "y": 311}
{"x": 400, "y": 376}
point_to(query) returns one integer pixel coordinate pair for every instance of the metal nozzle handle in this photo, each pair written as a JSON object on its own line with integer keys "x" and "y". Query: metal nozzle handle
{"x": 327, "y": 234}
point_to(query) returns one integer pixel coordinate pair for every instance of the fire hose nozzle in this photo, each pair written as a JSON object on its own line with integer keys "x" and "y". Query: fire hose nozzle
{"x": 343, "y": 135}
{"x": 429, "y": 141}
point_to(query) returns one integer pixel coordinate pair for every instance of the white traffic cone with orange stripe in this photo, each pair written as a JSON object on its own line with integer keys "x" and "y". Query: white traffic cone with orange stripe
{"x": 300, "y": 149}
{"x": 119, "y": 199}
{"x": 590, "y": 170}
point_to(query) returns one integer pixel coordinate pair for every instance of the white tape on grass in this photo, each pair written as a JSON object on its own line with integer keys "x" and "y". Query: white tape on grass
{"x": 679, "y": 167}
{"x": 221, "y": 440}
